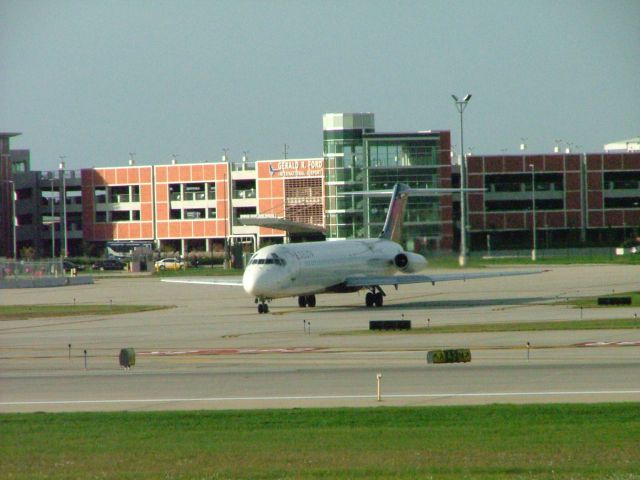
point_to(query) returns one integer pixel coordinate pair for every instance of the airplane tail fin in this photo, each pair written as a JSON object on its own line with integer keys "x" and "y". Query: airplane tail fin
{"x": 392, "y": 229}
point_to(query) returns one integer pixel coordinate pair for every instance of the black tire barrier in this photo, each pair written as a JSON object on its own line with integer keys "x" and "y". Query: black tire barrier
{"x": 614, "y": 300}
{"x": 127, "y": 357}
{"x": 460, "y": 355}
{"x": 390, "y": 325}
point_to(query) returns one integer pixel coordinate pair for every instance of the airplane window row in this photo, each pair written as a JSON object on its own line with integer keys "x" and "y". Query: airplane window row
{"x": 273, "y": 259}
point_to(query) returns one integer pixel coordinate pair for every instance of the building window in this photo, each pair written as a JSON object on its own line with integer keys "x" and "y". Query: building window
{"x": 175, "y": 214}
{"x": 100, "y": 195}
{"x": 120, "y": 216}
{"x": 622, "y": 202}
{"x": 101, "y": 217}
{"x": 211, "y": 189}
{"x": 243, "y": 211}
{"x": 211, "y": 213}
{"x": 523, "y": 205}
{"x": 174, "y": 192}
{"x": 628, "y": 180}
{"x": 193, "y": 213}
{"x": 244, "y": 189}
{"x": 119, "y": 194}
{"x": 135, "y": 215}
{"x": 194, "y": 191}
{"x": 26, "y": 219}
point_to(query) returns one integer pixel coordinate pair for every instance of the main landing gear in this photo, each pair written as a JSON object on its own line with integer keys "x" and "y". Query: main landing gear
{"x": 262, "y": 305}
{"x": 306, "y": 301}
{"x": 374, "y": 297}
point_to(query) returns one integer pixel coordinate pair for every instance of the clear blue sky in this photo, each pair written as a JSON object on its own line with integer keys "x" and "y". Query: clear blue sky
{"x": 95, "y": 80}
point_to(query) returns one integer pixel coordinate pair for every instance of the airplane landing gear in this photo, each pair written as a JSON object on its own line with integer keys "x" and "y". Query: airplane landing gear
{"x": 262, "y": 305}
{"x": 374, "y": 297}
{"x": 306, "y": 301}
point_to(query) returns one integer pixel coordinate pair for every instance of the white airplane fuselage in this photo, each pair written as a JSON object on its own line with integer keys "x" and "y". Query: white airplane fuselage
{"x": 316, "y": 267}
{"x": 342, "y": 266}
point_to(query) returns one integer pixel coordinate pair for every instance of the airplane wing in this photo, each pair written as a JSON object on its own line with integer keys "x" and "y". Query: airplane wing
{"x": 369, "y": 281}
{"x": 230, "y": 281}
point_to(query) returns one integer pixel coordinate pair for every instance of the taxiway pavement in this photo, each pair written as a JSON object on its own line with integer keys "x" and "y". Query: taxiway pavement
{"x": 213, "y": 350}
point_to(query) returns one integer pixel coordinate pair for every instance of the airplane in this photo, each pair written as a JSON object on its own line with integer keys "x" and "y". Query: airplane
{"x": 342, "y": 266}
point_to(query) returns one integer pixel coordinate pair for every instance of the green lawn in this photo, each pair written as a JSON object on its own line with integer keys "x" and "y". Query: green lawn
{"x": 547, "y": 441}
{"x": 23, "y": 312}
{"x": 599, "y": 324}
{"x": 451, "y": 261}
{"x": 592, "y": 302}
{"x": 200, "y": 272}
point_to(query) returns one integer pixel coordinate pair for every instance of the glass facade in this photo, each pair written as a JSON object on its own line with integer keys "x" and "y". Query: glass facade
{"x": 344, "y": 159}
{"x": 357, "y": 159}
{"x": 412, "y": 159}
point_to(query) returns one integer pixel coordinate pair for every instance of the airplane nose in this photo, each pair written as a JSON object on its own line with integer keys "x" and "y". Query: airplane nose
{"x": 260, "y": 282}
{"x": 249, "y": 282}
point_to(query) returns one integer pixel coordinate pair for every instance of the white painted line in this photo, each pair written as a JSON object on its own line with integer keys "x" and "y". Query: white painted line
{"x": 323, "y": 397}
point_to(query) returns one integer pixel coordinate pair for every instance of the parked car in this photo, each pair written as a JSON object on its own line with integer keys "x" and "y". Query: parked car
{"x": 109, "y": 264}
{"x": 68, "y": 266}
{"x": 170, "y": 264}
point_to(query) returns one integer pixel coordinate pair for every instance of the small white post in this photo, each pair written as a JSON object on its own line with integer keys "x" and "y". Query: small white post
{"x": 378, "y": 378}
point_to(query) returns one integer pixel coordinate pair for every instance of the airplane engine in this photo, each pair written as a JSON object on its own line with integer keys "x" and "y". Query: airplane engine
{"x": 410, "y": 262}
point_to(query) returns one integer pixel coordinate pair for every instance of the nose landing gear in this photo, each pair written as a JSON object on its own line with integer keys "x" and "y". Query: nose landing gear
{"x": 262, "y": 305}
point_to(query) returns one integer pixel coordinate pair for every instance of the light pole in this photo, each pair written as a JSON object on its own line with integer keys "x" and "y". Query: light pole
{"x": 460, "y": 106}
{"x": 13, "y": 216}
{"x": 523, "y": 143}
{"x": 533, "y": 209}
{"x": 229, "y": 229}
{"x": 63, "y": 197}
{"x": 53, "y": 225}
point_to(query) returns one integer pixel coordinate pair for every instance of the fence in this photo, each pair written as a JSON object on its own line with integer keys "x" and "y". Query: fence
{"x": 40, "y": 273}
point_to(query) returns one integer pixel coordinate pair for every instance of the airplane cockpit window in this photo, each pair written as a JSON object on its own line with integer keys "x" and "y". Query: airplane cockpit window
{"x": 279, "y": 260}
{"x": 273, "y": 259}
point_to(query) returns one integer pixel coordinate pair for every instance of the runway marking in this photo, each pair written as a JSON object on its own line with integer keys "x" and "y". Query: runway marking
{"x": 322, "y": 397}
{"x": 633, "y": 343}
{"x": 229, "y": 351}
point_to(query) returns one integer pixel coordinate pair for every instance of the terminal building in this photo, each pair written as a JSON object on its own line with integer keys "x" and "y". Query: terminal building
{"x": 357, "y": 159}
{"x": 578, "y": 199}
{"x": 200, "y": 206}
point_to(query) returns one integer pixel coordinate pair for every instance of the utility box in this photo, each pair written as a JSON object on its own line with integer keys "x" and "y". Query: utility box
{"x": 460, "y": 355}
{"x": 127, "y": 357}
{"x": 614, "y": 300}
{"x": 390, "y": 325}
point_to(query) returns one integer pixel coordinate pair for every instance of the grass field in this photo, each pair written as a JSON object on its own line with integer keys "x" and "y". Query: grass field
{"x": 598, "y": 441}
{"x": 598, "y": 324}
{"x": 592, "y": 302}
{"x": 200, "y": 272}
{"x": 23, "y": 312}
{"x": 478, "y": 262}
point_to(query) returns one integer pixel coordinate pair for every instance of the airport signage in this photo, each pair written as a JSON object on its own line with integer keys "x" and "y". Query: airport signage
{"x": 296, "y": 168}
